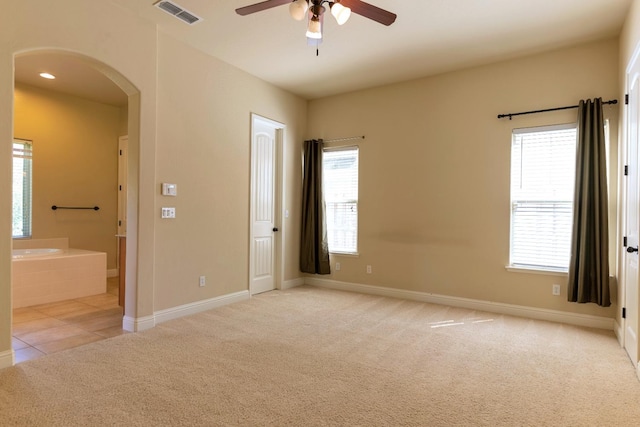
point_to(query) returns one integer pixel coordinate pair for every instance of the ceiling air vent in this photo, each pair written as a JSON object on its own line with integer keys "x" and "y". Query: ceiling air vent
{"x": 177, "y": 11}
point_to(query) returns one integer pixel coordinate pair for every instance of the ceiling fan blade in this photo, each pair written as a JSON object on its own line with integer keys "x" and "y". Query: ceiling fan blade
{"x": 247, "y": 10}
{"x": 370, "y": 11}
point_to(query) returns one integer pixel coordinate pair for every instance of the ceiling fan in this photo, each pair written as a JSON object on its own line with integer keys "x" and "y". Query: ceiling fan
{"x": 314, "y": 11}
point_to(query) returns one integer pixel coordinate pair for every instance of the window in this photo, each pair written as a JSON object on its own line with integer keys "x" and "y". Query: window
{"x": 21, "y": 188}
{"x": 340, "y": 181}
{"x": 542, "y": 184}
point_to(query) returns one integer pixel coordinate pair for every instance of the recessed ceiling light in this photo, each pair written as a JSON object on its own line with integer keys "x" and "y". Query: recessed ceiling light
{"x": 47, "y": 76}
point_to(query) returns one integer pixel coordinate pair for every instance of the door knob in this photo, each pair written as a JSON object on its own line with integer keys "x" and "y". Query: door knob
{"x": 632, "y": 250}
{"x": 276, "y": 229}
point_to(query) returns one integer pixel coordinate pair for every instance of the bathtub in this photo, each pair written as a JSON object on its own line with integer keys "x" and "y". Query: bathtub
{"x": 42, "y": 275}
{"x": 35, "y": 252}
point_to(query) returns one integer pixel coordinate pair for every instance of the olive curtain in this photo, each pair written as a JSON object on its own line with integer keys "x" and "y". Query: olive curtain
{"x": 314, "y": 246}
{"x": 589, "y": 262}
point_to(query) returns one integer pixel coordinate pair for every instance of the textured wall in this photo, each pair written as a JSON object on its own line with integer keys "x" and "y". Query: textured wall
{"x": 434, "y": 172}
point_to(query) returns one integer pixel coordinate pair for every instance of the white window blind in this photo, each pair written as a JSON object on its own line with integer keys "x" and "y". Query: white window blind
{"x": 542, "y": 185}
{"x": 22, "y": 158}
{"x": 340, "y": 183}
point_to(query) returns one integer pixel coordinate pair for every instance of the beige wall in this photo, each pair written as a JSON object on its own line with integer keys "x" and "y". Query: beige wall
{"x": 204, "y": 117}
{"x": 111, "y": 40}
{"x": 201, "y": 116}
{"x": 434, "y": 167}
{"x": 629, "y": 39}
{"x": 124, "y": 121}
{"x": 75, "y": 163}
{"x": 434, "y": 202}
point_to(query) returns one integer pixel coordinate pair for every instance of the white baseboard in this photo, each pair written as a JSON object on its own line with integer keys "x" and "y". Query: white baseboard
{"x": 112, "y": 273}
{"x": 138, "y": 324}
{"x": 488, "y": 306}
{"x": 198, "y": 306}
{"x": 617, "y": 329}
{"x": 288, "y": 284}
{"x": 133, "y": 324}
{"x": 6, "y": 359}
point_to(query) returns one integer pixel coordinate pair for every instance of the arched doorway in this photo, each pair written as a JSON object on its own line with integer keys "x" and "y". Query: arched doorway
{"x": 132, "y": 97}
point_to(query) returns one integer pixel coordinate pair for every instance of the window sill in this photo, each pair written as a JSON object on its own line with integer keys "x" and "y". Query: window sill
{"x": 347, "y": 254}
{"x": 536, "y": 270}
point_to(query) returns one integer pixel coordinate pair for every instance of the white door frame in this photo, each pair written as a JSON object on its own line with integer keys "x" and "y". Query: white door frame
{"x": 623, "y": 299}
{"x": 279, "y": 236}
{"x": 123, "y": 150}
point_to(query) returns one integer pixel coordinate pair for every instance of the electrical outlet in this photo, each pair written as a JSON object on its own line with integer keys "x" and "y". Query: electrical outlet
{"x": 203, "y": 281}
{"x": 368, "y": 269}
{"x": 169, "y": 213}
{"x": 555, "y": 289}
{"x": 337, "y": 266}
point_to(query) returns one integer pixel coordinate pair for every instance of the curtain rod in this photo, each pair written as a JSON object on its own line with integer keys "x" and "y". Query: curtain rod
{"x": 349, "y": 138}
{"x": 500, "y": 116}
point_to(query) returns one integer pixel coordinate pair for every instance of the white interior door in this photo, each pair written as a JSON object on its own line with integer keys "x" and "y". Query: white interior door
{"x": 264, "y": 199}
{"x": 631, "y": 215}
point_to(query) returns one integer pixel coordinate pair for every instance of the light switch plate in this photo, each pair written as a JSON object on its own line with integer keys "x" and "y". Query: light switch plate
{"x": 169, "y": 189}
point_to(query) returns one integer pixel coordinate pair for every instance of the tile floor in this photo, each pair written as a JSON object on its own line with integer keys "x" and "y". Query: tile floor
{"x": 48, "y": 328}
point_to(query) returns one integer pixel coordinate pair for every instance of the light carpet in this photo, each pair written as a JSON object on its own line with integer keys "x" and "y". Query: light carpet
{"x": 319, "y": 357}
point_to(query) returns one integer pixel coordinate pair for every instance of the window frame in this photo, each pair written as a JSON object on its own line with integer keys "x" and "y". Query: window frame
{"x": 344, "y": 251}
{"x": 26, "y": 191}
{"x": 534, "y": 267}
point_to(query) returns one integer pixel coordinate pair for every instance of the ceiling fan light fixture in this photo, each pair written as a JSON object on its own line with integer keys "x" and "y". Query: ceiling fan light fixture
{"x": 340, "y": 12}
{"x": 314, "y": 31}
{"x": 315, "y": 11}
{"x": 298, "y": 9}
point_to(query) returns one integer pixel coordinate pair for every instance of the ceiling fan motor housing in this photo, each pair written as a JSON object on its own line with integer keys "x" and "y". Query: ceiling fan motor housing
{"x": 317, "y": 9}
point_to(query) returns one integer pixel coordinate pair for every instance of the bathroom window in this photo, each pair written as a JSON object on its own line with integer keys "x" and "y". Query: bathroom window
{"x": 22, "y": 167}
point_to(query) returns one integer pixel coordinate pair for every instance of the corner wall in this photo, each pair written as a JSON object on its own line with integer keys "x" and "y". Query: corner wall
{"x": 434, "y": 203}
{"x": 204, "y": 122}
{"x": 193, "y": 130}
{"x": 110, "y": 40}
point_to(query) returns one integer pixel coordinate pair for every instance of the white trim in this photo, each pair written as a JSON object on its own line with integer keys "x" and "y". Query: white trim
{"x": 545, "y": 128}
{"x": 488, "y": 306}
{"x": 288, "y": 284}
{"x": 535, "y": 270}
{"x": 198, "y": 306}
{"x": 112, "y": 273}
{"x": 346, "y": 254}
{"x": 6, "y": 359}
{"x": 282, "y": 214}
{"x": 279, "y": 201}
{"x": 138, "y": 324}
{"x": 619, "y": 331}
{"x": 347, "y": 194}
{"x": 623, "y": 204}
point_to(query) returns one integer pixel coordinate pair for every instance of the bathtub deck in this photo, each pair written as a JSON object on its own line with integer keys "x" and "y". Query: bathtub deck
{"x": 73, "y": 274}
